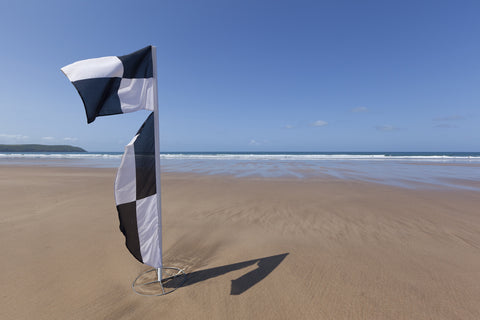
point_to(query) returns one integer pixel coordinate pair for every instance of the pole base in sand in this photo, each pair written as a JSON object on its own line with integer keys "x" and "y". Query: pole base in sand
{"x": 159, "y": 282}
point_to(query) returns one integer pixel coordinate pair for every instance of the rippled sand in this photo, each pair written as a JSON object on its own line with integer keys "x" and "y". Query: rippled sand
{"x": 253, "y": 248}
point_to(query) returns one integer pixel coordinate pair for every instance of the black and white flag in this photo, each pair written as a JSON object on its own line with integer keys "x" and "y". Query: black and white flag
{"x": 137, "y": 197}
{"x": 115, "y": 84}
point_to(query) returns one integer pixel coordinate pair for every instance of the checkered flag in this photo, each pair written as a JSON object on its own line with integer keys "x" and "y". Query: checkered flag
{"x": 115, "y": 84}
{"x": 137, "y": 198}
{"x": 120, "y": 84}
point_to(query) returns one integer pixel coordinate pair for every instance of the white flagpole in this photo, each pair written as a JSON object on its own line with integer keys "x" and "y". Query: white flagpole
{"x": 180, "y": 274}
{"x": 157, "y": 159}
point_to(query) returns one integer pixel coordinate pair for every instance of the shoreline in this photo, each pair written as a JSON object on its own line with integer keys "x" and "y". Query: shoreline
{"x": 410, "y": 175}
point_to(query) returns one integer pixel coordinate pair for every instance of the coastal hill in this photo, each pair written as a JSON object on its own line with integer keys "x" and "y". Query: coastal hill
{"x": 39, "y": 148}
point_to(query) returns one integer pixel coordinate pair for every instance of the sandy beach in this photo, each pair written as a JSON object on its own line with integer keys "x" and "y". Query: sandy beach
{"x": 252, "y": 248}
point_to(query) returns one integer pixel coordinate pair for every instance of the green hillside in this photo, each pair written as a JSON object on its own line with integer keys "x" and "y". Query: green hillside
{"x": 39, "y": 148}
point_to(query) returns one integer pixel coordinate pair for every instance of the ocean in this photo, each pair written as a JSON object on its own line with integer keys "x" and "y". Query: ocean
{"x": 406, "y": 169}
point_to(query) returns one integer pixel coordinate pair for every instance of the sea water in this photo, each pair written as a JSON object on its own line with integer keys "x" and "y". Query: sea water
{"x": 407, "y": 169}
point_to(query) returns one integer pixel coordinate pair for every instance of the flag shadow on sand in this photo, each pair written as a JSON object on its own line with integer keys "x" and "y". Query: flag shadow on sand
{"x": 264, "y": 267}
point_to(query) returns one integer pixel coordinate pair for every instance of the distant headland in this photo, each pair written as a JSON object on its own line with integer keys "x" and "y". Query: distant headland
{"x": 39, "y": 148}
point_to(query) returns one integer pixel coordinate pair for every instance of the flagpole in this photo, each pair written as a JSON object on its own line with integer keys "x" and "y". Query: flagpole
{"x": 157, "y": 160}
{"x": 174, "y": 276}
{"x": 130, "y": 99}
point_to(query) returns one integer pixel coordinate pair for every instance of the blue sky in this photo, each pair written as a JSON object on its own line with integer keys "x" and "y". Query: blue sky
{"x": 253, "y": 75}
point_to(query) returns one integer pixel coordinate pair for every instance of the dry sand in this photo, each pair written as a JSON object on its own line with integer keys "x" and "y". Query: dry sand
{"x": 254, "y": 249}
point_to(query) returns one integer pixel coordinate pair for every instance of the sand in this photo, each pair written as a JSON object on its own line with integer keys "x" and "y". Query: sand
{"x": 253, "y": 248}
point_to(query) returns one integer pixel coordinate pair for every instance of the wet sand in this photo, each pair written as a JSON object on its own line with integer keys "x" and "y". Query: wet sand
{"x": 252, "y": 248}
